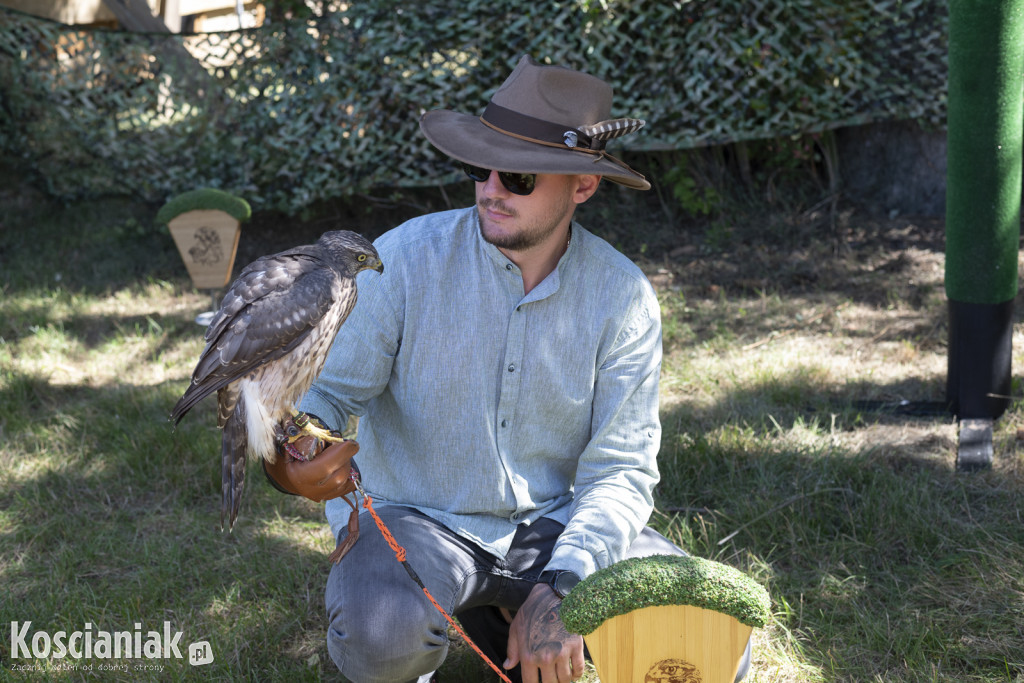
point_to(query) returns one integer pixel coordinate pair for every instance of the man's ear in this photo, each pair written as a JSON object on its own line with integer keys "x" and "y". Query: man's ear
{"x": 586, "y": 186}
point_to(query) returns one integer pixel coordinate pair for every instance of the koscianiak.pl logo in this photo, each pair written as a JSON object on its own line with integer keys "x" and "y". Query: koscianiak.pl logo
{"x": 134, "y": 649}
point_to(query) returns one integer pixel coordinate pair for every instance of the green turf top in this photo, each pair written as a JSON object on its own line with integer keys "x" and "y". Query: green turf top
{"x": 664, "y": 580}
{"x": 207, "y": 198}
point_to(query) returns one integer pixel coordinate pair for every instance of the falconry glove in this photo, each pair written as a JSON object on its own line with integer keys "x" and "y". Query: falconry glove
{"x": 305, "y": 467}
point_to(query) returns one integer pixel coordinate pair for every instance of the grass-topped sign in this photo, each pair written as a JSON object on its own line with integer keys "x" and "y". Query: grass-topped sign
{"x": 206, "y": 225}
{"x": 666, "y": 618}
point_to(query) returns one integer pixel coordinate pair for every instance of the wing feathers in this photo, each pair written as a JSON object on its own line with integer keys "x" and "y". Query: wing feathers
{"x": 264, "y": 275}
{"x": 259, "y": 323}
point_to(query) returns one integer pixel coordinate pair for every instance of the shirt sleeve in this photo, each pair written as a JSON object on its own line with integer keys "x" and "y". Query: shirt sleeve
{"x": 359, "y": 363}
{"x": 617, "y": 470}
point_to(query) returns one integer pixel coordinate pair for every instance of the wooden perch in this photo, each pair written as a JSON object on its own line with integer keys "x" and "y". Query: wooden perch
{"x": 135, "y": 15}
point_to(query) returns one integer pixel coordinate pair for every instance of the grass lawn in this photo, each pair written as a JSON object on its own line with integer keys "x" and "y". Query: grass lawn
{"x": 786, "y": 343}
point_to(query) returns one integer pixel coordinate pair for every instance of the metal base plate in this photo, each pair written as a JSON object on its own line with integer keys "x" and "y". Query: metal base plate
{"x": 975, "y": 450}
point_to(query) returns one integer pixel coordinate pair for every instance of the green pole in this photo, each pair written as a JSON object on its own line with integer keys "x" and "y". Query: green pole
{"x": 983, "y": 197}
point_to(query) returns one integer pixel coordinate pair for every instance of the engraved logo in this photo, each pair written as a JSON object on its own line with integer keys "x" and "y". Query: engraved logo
{"x": 673, "y": 671}
{"x": 207, "y": 250}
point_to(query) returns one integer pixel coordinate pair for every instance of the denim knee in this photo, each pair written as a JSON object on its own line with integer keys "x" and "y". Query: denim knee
{"x": 387, "y": 642}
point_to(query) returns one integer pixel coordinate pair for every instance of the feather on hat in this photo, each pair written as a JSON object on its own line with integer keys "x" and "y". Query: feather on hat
{"x": 543, "y": 119}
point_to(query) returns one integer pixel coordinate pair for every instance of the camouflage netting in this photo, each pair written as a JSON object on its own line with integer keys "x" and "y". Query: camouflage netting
{"x": 294, "y": 112}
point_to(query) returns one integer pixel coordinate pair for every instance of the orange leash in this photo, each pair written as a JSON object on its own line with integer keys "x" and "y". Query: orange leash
{"x": 400, "y": 555}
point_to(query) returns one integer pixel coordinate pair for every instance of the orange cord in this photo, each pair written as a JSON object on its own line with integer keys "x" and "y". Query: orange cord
{"x": 400, "y": 554}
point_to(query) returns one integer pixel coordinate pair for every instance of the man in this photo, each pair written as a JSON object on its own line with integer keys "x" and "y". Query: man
{"x": 505, "y": 371}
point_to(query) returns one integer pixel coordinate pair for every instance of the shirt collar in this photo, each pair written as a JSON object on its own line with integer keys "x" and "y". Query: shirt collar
{"x": 549, "y": 285}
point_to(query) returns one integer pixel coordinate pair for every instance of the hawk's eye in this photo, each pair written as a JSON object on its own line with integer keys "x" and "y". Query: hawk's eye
{"x": 361, "y": 258}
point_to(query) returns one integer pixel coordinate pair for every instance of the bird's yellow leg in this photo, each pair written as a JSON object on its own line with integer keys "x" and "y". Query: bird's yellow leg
{"x": 309, "y": 427}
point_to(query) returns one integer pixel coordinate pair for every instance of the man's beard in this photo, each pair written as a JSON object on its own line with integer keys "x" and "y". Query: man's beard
{"x": 526, "y": 238}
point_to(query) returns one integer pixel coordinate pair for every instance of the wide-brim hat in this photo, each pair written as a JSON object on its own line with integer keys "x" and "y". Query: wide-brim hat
{"x": 543, "y": 119}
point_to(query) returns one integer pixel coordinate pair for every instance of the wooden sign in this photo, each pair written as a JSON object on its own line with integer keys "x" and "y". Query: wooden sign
{"x": 669, "y": 644}
{"x": 207, "y": 240}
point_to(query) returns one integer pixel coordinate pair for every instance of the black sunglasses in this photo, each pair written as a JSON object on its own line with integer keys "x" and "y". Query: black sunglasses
{"x": 516, "y": 183}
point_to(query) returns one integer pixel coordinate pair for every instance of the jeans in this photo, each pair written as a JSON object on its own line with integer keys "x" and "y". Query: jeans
{"x": 384, "y": 630}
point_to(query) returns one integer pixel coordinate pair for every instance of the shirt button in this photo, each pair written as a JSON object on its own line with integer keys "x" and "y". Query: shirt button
{"x": 504, "y": 423}
{"x": 508, "y": 266}
{"x": 511, "y": 367}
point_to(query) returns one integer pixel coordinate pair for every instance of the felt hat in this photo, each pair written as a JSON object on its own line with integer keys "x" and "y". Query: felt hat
{"x": 543, "y": 119}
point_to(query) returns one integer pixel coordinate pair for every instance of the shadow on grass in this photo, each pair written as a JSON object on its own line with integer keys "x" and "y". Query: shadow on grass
{"x": 95, "y": 331}
{"x": 111, "y": 518}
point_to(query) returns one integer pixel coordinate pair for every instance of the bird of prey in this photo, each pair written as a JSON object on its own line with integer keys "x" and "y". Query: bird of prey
{"x": 268, "y": 342}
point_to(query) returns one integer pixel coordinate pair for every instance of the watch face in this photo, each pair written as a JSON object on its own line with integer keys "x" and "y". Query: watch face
{"x": 565, "y": 582}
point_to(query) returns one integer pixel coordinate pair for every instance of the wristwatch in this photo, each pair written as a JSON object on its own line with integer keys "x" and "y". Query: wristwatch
{"x": 561, "y": 581}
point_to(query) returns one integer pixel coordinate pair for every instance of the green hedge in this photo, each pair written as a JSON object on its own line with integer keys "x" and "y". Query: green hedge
{"x": 664, "y": 580}
{"x": 291, "y": 113}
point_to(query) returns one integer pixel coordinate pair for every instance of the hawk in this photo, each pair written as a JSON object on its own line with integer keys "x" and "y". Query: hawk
{"x": 268, "y": 342}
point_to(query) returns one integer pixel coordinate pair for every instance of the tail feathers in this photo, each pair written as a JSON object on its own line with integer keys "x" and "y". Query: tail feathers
{"x": 234, "y": 442}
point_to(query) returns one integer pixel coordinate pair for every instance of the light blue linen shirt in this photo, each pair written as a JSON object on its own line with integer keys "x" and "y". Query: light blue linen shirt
{"x": 485, "y": 408}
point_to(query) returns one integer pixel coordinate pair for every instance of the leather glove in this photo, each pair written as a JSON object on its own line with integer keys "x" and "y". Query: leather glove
{"x": 328, "y": 475}
{"x": 304, "y": 467}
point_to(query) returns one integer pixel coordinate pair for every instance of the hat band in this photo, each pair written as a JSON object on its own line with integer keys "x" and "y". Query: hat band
{"x": 537, "y": 130}
{"x": 524, "y": 127}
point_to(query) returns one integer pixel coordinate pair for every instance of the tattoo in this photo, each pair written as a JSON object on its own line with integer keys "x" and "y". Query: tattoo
{"x": 546, "y": 630}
